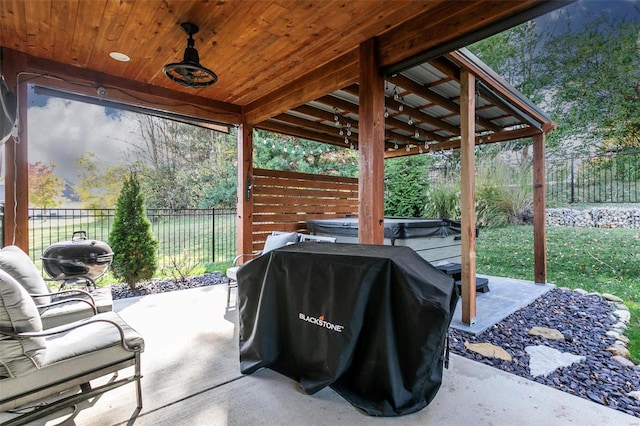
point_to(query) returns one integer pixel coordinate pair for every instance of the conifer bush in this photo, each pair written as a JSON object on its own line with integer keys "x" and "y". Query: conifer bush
{"x": 133, "y": 244}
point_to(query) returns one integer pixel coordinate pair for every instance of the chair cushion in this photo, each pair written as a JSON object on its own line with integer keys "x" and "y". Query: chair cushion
{"x": 18, "y": 313}
{"x": 280, "y": 240}
{"x": 19, "y": 265}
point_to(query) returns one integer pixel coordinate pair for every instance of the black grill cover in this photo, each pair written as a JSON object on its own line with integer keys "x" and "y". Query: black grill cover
{"x": 370, "y": 321}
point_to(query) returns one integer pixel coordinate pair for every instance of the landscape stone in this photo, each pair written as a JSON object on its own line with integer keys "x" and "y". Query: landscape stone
{"x": 488, "y": 350}
{"x": 619, "y": 351}
{"x": 620, "y": 343}
{"x": 623, "y": 338}
{"x": 544, "y": 360}
{"x": 614, "y": 334}
{"x": 625, "y": 316}
{"x": 611, "y": 298}
{"x": 619, "y": 325}
{"x": 547, "y": 333}
{"x": 623, "y": 361}
{"x": 635, "y": 395}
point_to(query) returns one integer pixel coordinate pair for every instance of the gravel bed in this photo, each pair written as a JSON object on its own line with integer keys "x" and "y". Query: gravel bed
{"x": 155, "y": 286}
{"x": 583, "y": 319}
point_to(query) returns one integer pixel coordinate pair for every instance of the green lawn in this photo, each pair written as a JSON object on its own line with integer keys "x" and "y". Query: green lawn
{"x": 594, "y": 259}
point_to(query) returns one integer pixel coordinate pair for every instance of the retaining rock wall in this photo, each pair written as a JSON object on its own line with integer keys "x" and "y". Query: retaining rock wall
{"x": 598, "y": 217}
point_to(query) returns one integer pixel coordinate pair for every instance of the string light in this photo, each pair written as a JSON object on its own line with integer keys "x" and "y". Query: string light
{"x": 395, "y": 145}
{"x": 410, "y": 122}
{"x": 386, "y": 112}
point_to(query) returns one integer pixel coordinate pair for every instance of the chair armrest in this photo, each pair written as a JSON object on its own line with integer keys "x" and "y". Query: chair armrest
{"x": 241, "y": 256}
{"x": 68, "y": 327}
{"x": 91, "y": 303}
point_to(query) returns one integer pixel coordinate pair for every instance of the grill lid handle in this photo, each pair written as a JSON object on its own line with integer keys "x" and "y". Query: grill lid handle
{"x": 82, "y": 235}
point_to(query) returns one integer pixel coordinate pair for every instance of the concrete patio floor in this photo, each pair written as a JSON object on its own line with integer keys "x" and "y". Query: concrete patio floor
{"x": 192, "y": 377}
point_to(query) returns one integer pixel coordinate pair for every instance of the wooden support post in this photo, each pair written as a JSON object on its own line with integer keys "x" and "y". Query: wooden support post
{"x": 539, "y": 211}
{"x": 16, "y": 192}
{"x": 467, "y": 190}
{"x": 371, "y": 147}
{"x": 245, "y": 189}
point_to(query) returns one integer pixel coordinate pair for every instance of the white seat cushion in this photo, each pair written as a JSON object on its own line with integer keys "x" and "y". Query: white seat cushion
{"x": 19, "y": 265}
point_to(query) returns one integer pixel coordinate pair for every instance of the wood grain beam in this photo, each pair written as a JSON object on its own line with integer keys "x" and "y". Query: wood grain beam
{"x": 467, "y": 197}
{"x": 420, "y": 90}
{"x": 371, "y": 147}
{"x": 334, "y": 75}
{"x": 64, "y": 77}
{"x": 245, "y": 190}
{"x": 303, "y": 133}
{"x": 539, "y": 213}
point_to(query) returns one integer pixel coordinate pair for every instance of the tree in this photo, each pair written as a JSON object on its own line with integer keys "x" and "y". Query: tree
{"x": 184, "y": 166}
{"x": 45, "y": 188}
{"x": 405, "y": 186}
{"x": 99, "y": 185}
{"x": 280, "y": 152}
{"x": 595, "y": 82}
{"x": 131, "y": 239}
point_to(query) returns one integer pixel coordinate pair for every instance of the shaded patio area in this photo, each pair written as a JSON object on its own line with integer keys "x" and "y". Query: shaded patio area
{"x": 192, "y": 377}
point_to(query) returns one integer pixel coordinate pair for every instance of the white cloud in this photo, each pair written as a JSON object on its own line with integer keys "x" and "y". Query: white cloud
{"x": 62, "y": 131}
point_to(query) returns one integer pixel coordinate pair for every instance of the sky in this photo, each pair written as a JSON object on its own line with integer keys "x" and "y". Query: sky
{"x": 61, "y": 131}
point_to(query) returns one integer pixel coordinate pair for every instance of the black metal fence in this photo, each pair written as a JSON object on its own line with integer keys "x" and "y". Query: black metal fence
{"x": 607, "y": 178}
{"x": 187, "y": 237}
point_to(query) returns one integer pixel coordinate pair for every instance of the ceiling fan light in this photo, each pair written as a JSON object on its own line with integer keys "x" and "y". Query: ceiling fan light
{"x": 189, "y": 72}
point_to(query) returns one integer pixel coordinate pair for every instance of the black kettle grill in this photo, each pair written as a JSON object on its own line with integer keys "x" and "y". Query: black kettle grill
{"x": 77, "y": 260}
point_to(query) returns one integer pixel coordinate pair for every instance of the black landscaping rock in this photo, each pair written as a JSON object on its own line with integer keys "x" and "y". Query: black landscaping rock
{"x": 584, "y": 320}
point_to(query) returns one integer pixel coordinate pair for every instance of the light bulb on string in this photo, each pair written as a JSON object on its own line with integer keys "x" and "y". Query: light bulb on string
{"x": 346, "y": 140}
{"x": 417, "y": 134}
{"x": 352, "y": 146}
{"x": 341, "y": 132}
{"x": 386, "y": 112}
{"x": 420, "y": 149}
{"x": 408, "y": 148}
{"x": 410, "y": 122}
{"x": 395, "y": 145}
{"x": 348, "y": 132}
{"x": 401, "y": 107}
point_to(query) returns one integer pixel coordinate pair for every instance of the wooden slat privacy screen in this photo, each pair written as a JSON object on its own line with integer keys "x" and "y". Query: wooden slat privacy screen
{"x": 284, "y": 201}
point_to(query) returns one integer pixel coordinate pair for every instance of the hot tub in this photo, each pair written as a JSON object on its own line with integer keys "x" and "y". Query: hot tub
{"x": 436, "y": 240}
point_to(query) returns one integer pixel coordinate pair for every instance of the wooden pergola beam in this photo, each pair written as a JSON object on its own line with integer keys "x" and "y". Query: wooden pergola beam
{"x": 467, "y": 198}
{"x": 539, "y": 212}
{"x": 371, "y": 147}
{"x": 245, "y": 194}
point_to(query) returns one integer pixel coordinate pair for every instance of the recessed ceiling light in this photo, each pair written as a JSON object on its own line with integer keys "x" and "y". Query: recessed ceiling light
{"x": 120, "y": 56}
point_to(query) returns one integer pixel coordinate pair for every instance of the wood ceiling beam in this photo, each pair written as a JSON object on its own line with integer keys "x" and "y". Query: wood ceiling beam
{"x": 294, "y": 131}
{"x": 422, "y": 91}
{"x": 332, "y": 76}
{"x": 68, "y": 78}
{"x": 418, "y": 115}
{"x": 451, "y": 25}
{"x": 503, "y": 136}
{"x": 307, "y": 124}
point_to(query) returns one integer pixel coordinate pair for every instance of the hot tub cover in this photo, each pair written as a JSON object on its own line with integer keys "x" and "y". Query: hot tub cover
{"x": 370, "y": 321}
{"x": 394, "y": 227}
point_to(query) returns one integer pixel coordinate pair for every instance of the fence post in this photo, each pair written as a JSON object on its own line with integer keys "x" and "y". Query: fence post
{"x": 213, "y": 235}
{"x": 573, "y": 200}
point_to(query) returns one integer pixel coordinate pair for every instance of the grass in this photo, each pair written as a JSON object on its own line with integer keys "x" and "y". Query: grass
{"x": 594, "y": 259}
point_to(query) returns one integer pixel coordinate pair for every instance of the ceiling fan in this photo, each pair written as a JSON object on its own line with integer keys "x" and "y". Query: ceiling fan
{"x": 189, "y": 72}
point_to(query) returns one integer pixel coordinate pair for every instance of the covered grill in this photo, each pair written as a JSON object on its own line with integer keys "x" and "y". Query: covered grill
{"x": 77, "y": 259}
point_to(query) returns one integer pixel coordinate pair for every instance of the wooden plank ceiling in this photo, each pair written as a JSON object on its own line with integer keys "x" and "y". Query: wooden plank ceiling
{"x": 289, "y": 66}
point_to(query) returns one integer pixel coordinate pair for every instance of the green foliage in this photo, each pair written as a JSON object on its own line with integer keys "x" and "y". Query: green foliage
{"x": 184, "y": 166}
{"x": 585, "y": 78}
{"x": 443, "y": 198}
{"x": 405, "y": 186}
{"x": 594, "y": 259}
{"x": 99, "y": 184}
{"x": 504, "y": 193}
{"x": 593, "y": 75}
{"x": 131, "y": 239}
{"x": 281, "y": 152}
{"x": 45, "y": 188}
